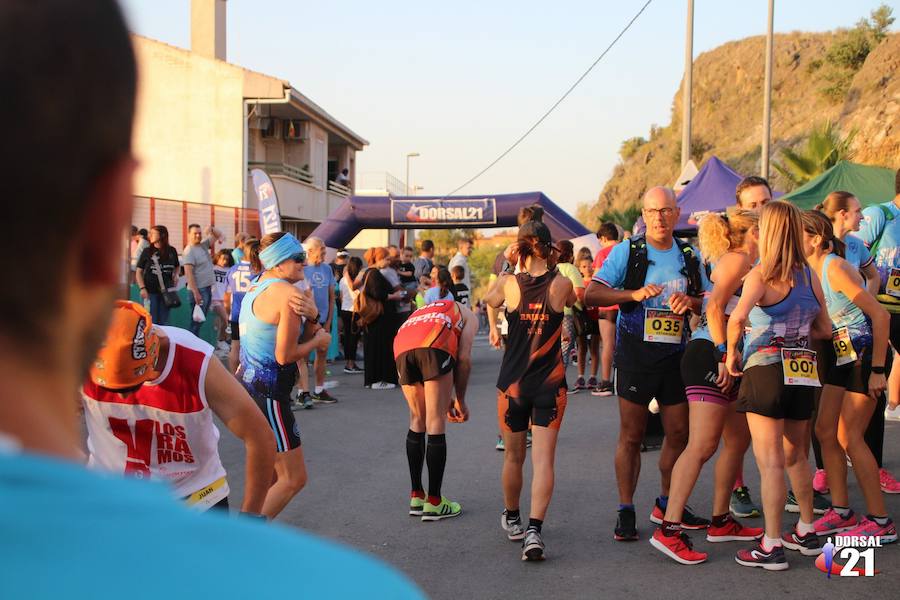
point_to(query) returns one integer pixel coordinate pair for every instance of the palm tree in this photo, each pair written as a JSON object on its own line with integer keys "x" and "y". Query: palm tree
{"x": 824, "y": 148}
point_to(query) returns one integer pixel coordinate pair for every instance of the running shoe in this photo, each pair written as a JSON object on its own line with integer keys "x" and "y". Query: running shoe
{"x": 820, "y": 481}
{"x": 807, "y": 545}
{"x": 513, "y": 528}
{"x": 579, "y": 385}
{"x": 307, "y": 401}
{"x": 889, "y": 485}
{"x": 592, "y": 382}
{"x": 444, "y": 510}
{"x": 867, "y": 527}
{"x": 533, "y": 545}
{"x": 833, "y": 522}
{"x": 689, "y": 520}
{"x": 500, "y": 445}
{"x": 605, "y": 388}
{"x": 323, "y": 397}
{"x": 351, "y": 370}
{"x": 733, "y": 531}
{"x": 757, "y": 557}
{"x": 528, "y": 439}
{"x": 416, "y": 505}
{"x": 383, "y": 385}
{"x": 821, "y": 503}
{"x": 677, "y": 547}
{"x": 742, "y": 504}
{"x": 625, "y": 526}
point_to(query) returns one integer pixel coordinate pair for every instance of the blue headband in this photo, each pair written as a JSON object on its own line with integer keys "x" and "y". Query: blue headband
{"x": 286, "y": 247}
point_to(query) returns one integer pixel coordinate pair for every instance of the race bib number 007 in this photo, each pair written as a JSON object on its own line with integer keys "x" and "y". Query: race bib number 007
{"x": 799, "y": 366}
{"x": 662, "y": 326}
{"x": 892, "y": 287}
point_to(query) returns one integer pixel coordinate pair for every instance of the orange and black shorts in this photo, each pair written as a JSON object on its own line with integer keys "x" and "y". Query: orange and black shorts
{"x": 514, "y": 413}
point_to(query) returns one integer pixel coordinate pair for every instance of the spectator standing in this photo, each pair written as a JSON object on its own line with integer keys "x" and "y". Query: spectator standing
{"x": 238, "y": 252}
{"x": 223, "y": 263}
{"x": 608, "y": 315}
{"x": 339, "y": 263}
{"x": 158, "y": 260}
{"x": 198, "y": 268}
{"x": 138, "y": 244}
{"x": 569, "y": 271}
{"x": 425, "y": 262}
{"x": 375, "y": 316}
{"x": 460, "y": 289}
{"x": 461, "y": 258}
{"x": 443, "y": 286}
{"x": 347, "y": 299}
{"x": 320, "y": 277}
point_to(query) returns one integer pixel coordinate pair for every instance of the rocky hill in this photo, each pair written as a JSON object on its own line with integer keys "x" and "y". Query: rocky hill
{"x": 727, "y": 112}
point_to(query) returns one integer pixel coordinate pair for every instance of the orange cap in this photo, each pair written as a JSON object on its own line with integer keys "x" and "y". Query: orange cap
{"x": 128, "y": 355}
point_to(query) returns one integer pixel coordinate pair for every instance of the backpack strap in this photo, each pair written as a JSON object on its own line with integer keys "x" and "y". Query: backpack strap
{"x": 691, "y": 268}
{"x": 636, "y": 270}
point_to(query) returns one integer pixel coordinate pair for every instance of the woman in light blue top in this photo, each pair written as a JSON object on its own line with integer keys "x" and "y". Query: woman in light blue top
{"x": 444, "y": 288}
{"x": 270, "y": 328}
{"x": 845, "y": 213}
{"x": 853, "y": 384}
{"x": 783, "y": 305}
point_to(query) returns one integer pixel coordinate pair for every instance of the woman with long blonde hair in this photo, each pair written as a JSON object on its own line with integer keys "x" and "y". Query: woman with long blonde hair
{"x": 782, "y": 306}
{"x": 854, "y": 384}
{"x": 729, "y": 242}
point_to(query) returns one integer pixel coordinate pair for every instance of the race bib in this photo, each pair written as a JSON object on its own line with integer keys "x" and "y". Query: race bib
{"x": 799, "y": 366}
{"x": 207, "y": 497}
{"x": 662, "y": 326}
{"x": 892, "y": 287}
{"x": 843, "y": 347}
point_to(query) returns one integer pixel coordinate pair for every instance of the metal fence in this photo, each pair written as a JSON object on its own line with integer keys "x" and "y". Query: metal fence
{"x": 176, "y": 215}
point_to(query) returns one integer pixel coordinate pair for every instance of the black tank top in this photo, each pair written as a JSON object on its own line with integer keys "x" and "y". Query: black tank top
{"x": 532, "y": 364}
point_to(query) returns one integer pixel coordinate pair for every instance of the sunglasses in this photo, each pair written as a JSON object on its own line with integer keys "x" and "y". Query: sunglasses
{"x": 299, "y": 257}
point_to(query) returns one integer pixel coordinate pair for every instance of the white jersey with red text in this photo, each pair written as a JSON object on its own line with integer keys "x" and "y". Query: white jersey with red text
{"x": 164, "y": 430}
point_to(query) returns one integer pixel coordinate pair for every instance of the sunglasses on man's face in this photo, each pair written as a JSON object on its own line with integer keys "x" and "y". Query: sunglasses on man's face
{"x": 299, "y": 257}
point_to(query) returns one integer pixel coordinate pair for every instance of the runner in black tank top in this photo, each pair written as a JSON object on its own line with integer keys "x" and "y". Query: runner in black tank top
{"x": 532, "y": 381}
{"x": 532, "y": 367}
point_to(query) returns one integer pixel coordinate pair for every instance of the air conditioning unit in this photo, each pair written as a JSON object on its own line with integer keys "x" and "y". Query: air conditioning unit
{"x": 268, "y": 127}
{"x": 296, "y": 130}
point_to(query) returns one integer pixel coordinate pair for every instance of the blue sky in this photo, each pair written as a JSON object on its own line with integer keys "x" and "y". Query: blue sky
{"x": 459, "y": 81}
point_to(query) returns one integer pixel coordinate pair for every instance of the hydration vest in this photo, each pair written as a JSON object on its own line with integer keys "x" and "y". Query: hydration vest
{"x": 639, "y": 263}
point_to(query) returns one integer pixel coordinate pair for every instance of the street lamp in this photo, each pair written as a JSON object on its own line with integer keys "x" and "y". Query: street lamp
{"x": 409, "y": 156}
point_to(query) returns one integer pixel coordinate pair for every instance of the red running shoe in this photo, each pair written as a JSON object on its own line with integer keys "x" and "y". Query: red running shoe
{"x": 733, "y": 531}
{"x": 677, "y": 547}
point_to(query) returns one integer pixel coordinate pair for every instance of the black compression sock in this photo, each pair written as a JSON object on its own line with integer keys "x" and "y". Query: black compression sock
{"x": 436, "y": 458}
{"x": 535, "y": 524}
{"x": 415, "y": 455}
{"x": 512, "y": 515}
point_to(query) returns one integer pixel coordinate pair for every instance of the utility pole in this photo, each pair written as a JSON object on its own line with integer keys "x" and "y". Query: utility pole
{"x": 767, "y": 102}
{"x": 687, "y": 91}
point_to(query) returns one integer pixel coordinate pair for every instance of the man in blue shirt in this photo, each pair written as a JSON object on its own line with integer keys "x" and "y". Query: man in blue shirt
{"x": 67, "y": 531}
{"x": 320, "y": 277}
{"x": 652, "y": 332}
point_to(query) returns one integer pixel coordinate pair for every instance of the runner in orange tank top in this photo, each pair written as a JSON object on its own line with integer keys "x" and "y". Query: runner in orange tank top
{"x": 433, "y": 352}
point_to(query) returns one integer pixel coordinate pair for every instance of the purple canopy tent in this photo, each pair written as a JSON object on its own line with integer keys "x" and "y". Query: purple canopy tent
{"x": 435, "y": 212}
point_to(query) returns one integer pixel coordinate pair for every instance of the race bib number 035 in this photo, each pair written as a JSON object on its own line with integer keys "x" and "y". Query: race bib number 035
{"x": 892, "y": 287}
{"x": 799, "y": 366}
{"x": 662, "y": 326}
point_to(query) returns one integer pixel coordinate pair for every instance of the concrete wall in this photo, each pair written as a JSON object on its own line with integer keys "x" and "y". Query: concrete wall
{"x": 189, "y": 126}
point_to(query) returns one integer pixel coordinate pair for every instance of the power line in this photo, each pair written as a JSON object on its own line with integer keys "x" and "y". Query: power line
{"x": 557, "y": 103}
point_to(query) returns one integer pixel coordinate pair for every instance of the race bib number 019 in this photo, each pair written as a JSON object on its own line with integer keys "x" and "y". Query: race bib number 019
{"x": 662, "y": 326}
{"x": 799, "y": 366}
{"x": 843, "y": 347}
{"x": 892, "y": 287}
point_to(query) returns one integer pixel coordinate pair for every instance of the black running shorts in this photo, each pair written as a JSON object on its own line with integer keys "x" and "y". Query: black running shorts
{"x": 763, "y": 392}
{"x": 423, "y": 364}
{"x": 281, "y": 420}
{"x": 699, "y": 372}
{"x": 513, "y": 414}
{"x": 663, "y": 383}
{"x": 853, "y": 377}
{"x": 895, "y": 332}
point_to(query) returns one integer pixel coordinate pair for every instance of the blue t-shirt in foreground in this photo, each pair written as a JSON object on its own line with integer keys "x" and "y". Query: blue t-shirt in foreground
{"x": 74, "y": 533}
{"x": 666, "y": 269}
{"x": 887, "y": 254}
{"x": 321, "y": 279}
{"x": 856, "y": 252}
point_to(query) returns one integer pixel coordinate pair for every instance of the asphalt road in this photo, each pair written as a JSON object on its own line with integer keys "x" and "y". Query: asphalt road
{"x": 359, "y": 484}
